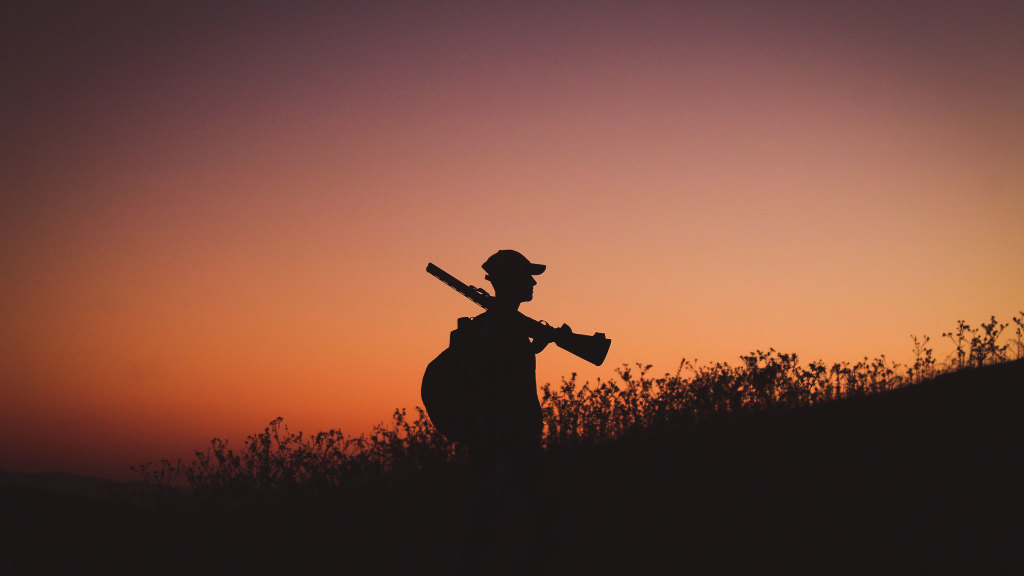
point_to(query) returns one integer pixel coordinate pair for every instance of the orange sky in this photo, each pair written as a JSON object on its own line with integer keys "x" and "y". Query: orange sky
{"x": 214, "y": 218}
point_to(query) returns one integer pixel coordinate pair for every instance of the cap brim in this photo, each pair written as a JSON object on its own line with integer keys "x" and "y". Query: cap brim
{"x": 535, "y": 269}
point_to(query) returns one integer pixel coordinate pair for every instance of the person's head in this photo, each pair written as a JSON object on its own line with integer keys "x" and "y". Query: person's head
{"x": 512, "y": 274}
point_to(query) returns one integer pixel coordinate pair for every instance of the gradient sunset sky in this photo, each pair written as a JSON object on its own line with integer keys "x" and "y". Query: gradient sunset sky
{"x": 213, "y": 216}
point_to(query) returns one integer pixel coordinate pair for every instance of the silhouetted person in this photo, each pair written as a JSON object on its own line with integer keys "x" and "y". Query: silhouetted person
{"x": 509, "y": 526}
{"x": 482, "y": 392}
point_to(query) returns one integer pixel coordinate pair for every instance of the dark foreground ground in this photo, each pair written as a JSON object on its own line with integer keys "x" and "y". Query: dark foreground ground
{"x": 924, "y": 480}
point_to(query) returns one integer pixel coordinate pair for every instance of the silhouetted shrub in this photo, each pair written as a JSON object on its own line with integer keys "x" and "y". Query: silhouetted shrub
{"x": 278, "y": 464}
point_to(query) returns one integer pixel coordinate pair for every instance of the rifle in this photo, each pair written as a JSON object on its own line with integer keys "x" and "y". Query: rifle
{"x": 593, "y": 349}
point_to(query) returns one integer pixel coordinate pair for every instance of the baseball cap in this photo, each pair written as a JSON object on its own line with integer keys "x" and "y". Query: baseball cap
{"x": 511, "y": 263}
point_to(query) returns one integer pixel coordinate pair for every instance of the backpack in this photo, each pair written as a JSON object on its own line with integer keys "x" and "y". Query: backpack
{"x": 451, "y": 382}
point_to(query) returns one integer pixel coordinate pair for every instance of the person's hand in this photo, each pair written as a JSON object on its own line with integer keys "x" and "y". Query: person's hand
{"x": 547, "y": 335}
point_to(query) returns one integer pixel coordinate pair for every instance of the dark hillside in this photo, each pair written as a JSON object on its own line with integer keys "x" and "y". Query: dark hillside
{"x": 921, "y": 480}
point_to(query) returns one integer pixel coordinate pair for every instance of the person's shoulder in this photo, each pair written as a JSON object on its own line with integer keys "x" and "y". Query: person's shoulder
{"x": 496, "y": 319}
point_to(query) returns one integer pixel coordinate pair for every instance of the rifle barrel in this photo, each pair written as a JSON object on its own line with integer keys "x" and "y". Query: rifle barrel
{"x": 477, "y": 295}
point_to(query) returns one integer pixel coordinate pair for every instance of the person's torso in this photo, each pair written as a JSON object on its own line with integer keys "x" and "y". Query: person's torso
{"x": 508, "y": 385}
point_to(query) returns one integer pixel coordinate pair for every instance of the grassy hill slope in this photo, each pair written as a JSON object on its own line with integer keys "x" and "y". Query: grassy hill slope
{"x": 921, "y": 480}
{"x": 925, "y": 480}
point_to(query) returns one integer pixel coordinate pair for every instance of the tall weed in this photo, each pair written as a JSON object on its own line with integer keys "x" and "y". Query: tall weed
{"x": 277, "y": 464}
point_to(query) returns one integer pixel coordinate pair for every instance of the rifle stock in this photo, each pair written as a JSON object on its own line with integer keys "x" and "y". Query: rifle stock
{"x": 592, "y": 348}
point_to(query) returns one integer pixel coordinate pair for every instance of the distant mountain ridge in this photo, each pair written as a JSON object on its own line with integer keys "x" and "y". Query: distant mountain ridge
{"x": 64, "y": 483}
